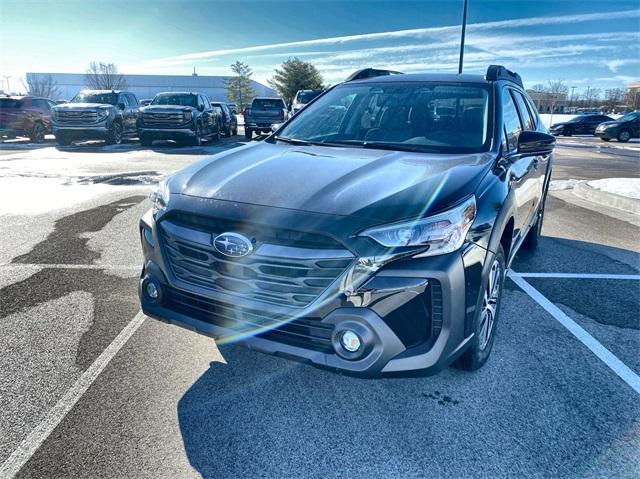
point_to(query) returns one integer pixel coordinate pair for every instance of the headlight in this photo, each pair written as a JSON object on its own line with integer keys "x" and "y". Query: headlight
{"x": 103, "y": 113}
{"x": 160, "y": 197}
{"x": 442, "y": 233}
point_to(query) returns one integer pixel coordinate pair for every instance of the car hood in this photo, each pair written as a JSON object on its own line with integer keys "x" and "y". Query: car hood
{"x": 375, "y": 184}
{"x": 80, "y": 106}
{"x": 166, "y": 108}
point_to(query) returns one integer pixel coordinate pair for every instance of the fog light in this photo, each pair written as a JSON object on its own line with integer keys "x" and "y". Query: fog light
{"x": 152, "y": 290}
{"x": 350, "y": 341}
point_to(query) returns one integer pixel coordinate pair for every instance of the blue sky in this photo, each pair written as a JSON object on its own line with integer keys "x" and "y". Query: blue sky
{"x": 594, "y": 43}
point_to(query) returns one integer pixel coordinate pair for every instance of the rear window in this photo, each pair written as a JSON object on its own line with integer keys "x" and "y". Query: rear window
{"x": 265, "y": 104}
{"x": 10, "y": 103}
{"x": 305, "y": 97}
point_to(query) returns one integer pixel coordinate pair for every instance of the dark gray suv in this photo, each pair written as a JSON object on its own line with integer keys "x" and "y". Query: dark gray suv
{"x": 186, "y": 117}
{"x": 370, "y": 234}
{"x": 96, "y": 115}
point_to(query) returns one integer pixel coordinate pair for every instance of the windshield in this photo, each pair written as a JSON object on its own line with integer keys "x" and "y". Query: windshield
{"x": 424, "y": 116}
{"x": 10, "y": 103}
{"x": 629, "y": 116}
{"x": 88, "y": 97}
{"x": 305, "y": 97}
{"x": 182, "y": 100}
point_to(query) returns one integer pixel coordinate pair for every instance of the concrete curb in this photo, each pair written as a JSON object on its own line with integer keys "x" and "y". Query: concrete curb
{"x": 586, "y": 192}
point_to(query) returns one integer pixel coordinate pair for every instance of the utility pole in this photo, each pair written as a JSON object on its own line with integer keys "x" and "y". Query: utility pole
{"x": 464, "y": 28}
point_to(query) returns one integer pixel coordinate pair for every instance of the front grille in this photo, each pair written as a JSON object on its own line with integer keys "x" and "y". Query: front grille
{"x": 76, "y": 116}
{"x": 166, "y": 120}
{"x": 306, "y": 333}
{"x": 275, "y": 273}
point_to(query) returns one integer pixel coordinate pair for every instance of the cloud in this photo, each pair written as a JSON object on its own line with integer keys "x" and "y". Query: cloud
{"x": 400, "y": 34}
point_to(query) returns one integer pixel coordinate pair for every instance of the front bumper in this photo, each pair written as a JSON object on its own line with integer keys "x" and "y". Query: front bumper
{"x": 166, "y": 133}
{"x": 87, "y": 132}
{"x": 609, "y": 133}
{"x": 412, "y": 314}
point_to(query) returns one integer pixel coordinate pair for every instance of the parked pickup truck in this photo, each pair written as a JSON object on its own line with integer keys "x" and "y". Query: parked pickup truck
{"x": 262, "y": 114}
{"x": 186, "y": 117}
{"x": 96, "y": 115}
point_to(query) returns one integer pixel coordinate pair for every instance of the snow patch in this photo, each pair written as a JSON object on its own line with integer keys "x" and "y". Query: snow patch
{"x": 627, "y": 187}
{"x": 558, "y": 185}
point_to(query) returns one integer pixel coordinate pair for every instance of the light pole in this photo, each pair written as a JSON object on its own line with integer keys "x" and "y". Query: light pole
{"x": 464, "y": 28}
{"x": 573, "y": 88}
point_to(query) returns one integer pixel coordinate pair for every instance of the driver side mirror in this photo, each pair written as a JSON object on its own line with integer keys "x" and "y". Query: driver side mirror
{"x": 121, "y": 106}
{"x": 200, "y": 108}
{"x": 535, "y": 143}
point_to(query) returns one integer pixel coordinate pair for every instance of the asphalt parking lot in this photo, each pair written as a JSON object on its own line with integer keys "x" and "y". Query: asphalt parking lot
{"x": 91, "y": 388}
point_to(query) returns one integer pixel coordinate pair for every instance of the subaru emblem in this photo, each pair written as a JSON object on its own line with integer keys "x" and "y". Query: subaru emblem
{"x": 232, "y": 244}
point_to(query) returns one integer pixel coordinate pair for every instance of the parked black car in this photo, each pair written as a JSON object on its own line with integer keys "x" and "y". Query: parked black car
{"x": 622, "y": 129}
{"x": 185, "y": 117}
{"x": 229, "y": 120}
{"x": 363, "y": 235}
{"x": 108, "y": 115}
{"x": 580, "y": 125}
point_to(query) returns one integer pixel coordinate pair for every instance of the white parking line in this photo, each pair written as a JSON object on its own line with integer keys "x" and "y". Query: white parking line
{"x": 70, "y": 266}
{"x": 606, "y": 356}
{"x": 635, "y": 277}
{"x": 34, "y": 440}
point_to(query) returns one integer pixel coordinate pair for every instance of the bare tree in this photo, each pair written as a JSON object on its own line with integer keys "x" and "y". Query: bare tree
{"x": 556, "y": 91}
{"x": 613, "y": 98}
{"x": 590, "y": 96}
{"x": 41, "y": 85}
{"x": 104, "y": 76}
{"x": 632, "y": 98}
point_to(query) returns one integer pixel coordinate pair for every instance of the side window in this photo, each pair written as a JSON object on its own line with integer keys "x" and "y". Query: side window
{"x": 200, "y": 101}
{"x": 133, "y": 101}
{"x": 534, "y": 111}
{"x": 523, "y": 109}
{"x": 207, "y": 103}
{"x": 123, "y": 99}
{"x": 512, "y": 124}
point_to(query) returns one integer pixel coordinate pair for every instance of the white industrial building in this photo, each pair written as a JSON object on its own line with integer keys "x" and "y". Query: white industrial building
{"x": 146, "y": 86}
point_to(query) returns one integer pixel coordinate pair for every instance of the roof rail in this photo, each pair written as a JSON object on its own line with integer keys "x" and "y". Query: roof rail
{"x": 370, "y": 73}
{"x": 498, "y": 72}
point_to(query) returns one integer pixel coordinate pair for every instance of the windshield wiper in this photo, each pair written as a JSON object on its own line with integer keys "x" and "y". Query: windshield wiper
{"x": 381, "y": 145}
{"x": 293, "y": 141}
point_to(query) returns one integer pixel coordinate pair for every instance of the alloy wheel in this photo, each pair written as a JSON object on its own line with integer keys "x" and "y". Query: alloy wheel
{"x": 117, "y": 133}
{"x": 490, "y": 303}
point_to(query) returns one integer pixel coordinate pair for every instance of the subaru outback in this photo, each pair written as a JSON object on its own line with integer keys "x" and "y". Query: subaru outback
{"x": 368, "y": 235}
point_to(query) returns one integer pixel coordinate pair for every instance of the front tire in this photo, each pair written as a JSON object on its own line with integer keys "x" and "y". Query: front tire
{"x": 197, "y": 139}
{"x": 605, "y": 139}
{"x": 567, "y": 132}
{"x": 114, "y": 137}
{"x": 248, "y": 134}
{"x": 487, "y": 315}
{"x": 36, "y": 135}
{"x": 624, "y": 136}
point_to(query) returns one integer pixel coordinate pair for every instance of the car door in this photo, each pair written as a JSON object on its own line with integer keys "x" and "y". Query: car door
{"x": 206, "y": 115}
{"x": 124, "y": 112}
{"x": 522, "y": 170}
{"x": 635, "y": 127}
{"x": 134, "y": 111}
{"x": 540, "y": 163}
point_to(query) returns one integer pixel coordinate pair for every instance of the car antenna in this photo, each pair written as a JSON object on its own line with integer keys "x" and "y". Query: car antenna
{"x": 464, "y": 28}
